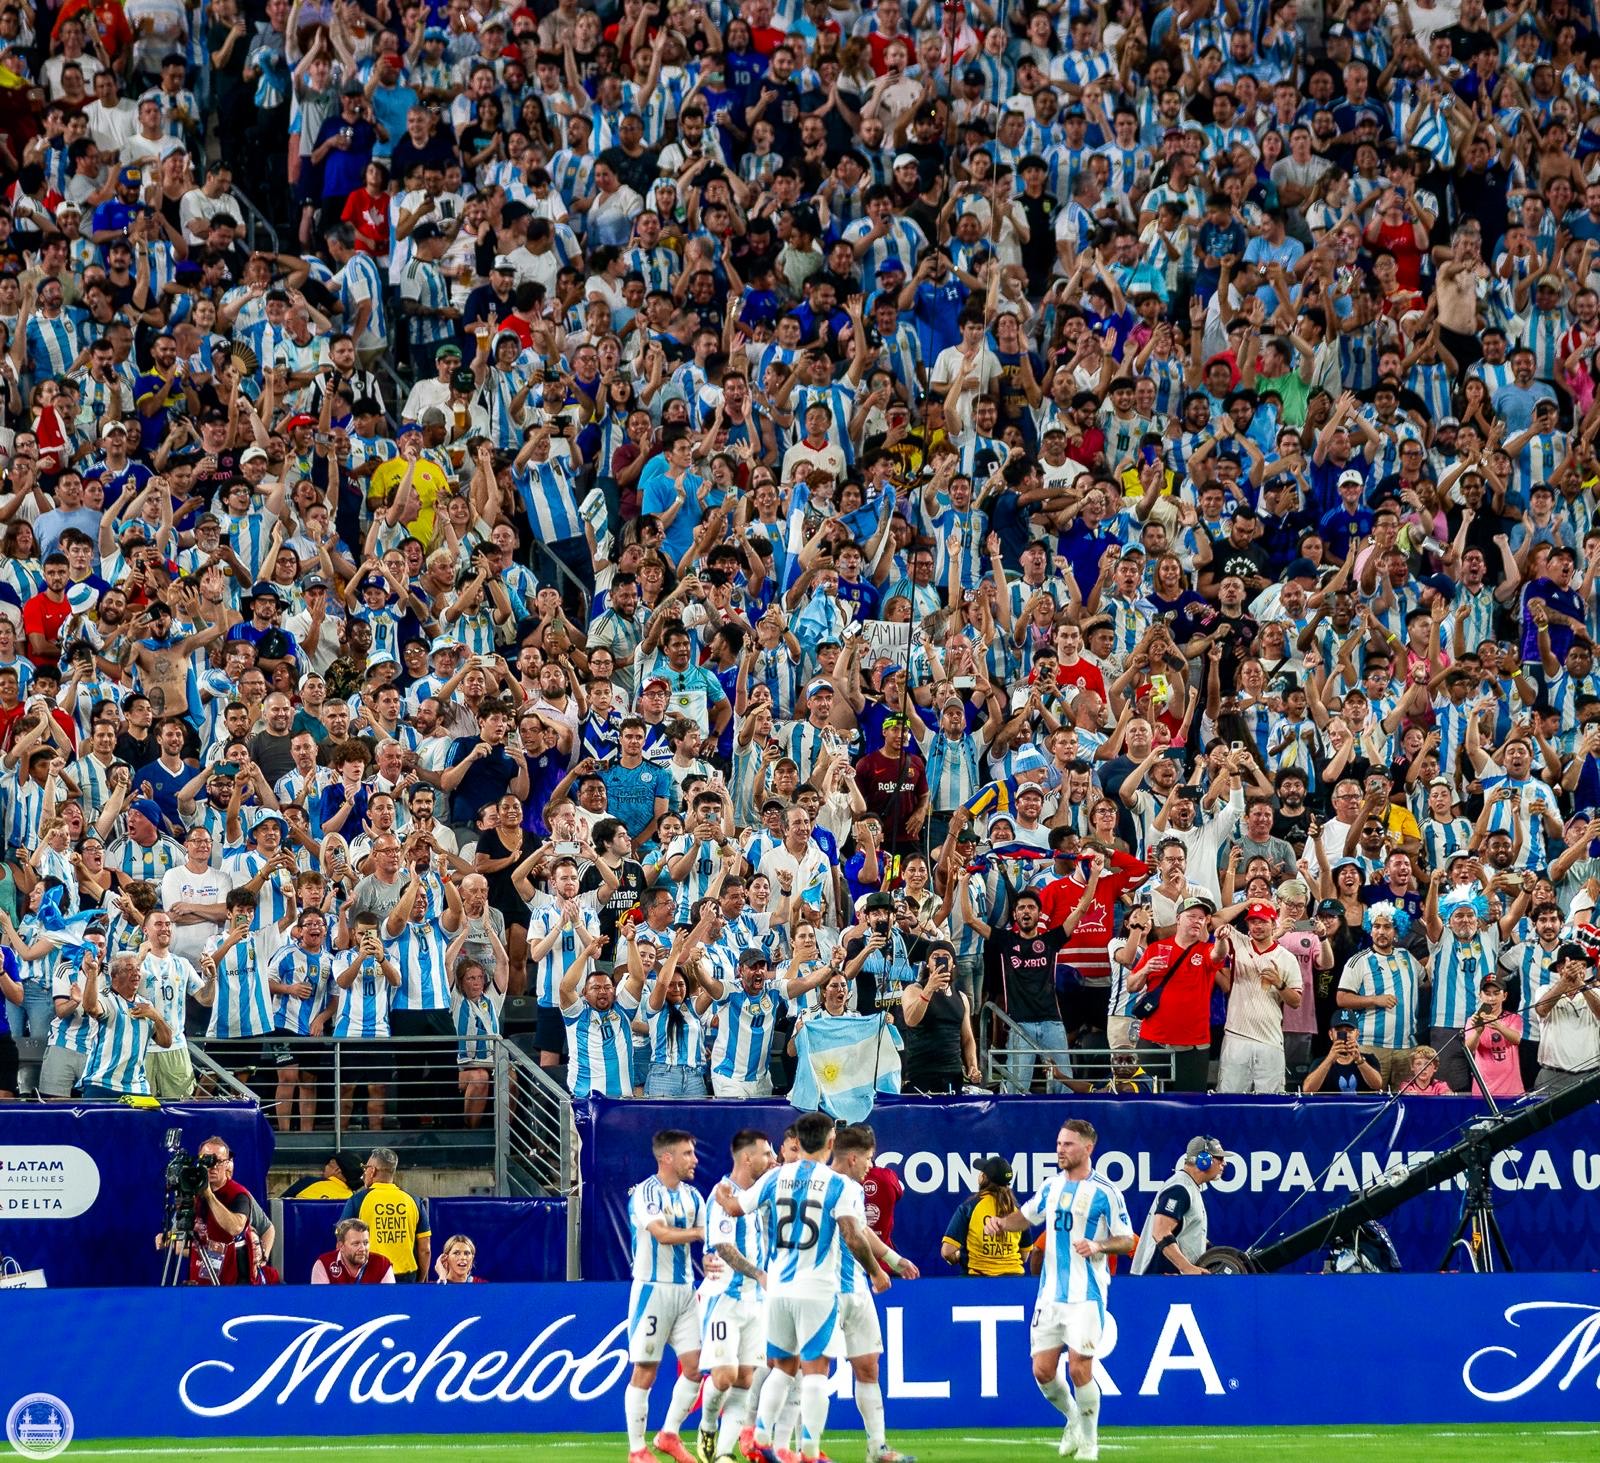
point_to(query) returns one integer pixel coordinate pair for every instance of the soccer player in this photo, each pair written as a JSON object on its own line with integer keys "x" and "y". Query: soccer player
{"x": 813, "y": 1215}
{"x": 666, "y": 1215}
{"x": 731, "y": 1331}
{"x": 860, "y": 1335}
{"x": 1087, "y": 1221}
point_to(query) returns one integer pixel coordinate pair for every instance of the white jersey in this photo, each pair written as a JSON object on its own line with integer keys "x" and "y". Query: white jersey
{"x": 745, "y": 1232}
{"x": 682, "y": 1208}
{"x": 804, "y": 1203}
{"x": 167, "y": 982}
{"x": 1073, "y": 1210}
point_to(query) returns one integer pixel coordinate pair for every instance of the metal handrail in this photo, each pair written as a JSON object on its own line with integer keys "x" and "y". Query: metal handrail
{"x": 1158, "y": 1066}
{"x": 218, "y": 1076}
{"x": 255, "y": 219}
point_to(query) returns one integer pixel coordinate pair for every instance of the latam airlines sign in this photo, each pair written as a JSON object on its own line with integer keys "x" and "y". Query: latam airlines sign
{"x": 551, "y": 1358}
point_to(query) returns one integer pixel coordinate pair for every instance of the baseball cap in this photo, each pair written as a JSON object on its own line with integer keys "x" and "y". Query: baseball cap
{"x": 253, "y": 454}
{"x": 754, "y": 955}
{"x": 1327, "y": 907}
{"x": 111, "y": 427}
{"x": 131, "y": 177}
{"x": 299, "y": 419}
{"x": 1343, "y": 1018}
{"x": 349, "y": 1167}
{"x": 1568, "y": 950}
{"x": 996, "y": 1170}
{"x": 777, "y": 803}
{"x": 1300, "y": 569}
{"x": 1200, "y": 1146}
{"x": 904, "y": 160}
{"x": 891, "y": 265}
{"x": 1261, "y": 910}
{"x": 878, "y": 900}
{"x": 463, "y": 380}
{"x": 817, "y": 685}
{"x": 655, "y": 681}
{"x": 503, "y": 262}
{"x": 1198, "y": 901}
{"x": 1350, "y": 475}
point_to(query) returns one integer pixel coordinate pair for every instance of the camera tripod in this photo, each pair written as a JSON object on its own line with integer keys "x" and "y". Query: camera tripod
{"x": 1477, "y": 1226}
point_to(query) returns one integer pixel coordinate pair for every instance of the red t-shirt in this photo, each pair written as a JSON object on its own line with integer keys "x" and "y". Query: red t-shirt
{"x": 1083, "y": 676}
{"x": 368, "y": 214}
{"x": 1089, "y": 946}
{"x": 883, "y": 1190}
{"x": 1184, "y": 1016}
{"x": 44, "y": 616}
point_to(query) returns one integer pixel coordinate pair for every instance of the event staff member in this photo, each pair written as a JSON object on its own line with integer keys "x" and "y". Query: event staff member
{"x": 398, "y": 1222}
{"x": 1173, "y": 980}
{"x": 965, "y": 1244}
{"x": 225, "y": 1249}
{"x": 1174, "y": 1233}
{"x": 351, "y": 1261}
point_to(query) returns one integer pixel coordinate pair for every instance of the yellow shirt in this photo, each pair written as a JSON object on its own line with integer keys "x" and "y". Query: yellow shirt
{"x": 325, "y": 1189}
{"x": 987, "y": 1254}
{"x": 397, "y": 1222}
{"x": 429, "y": 482}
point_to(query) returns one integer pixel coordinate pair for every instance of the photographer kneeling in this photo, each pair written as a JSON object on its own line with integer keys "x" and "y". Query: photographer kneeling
{"x": 222, "y": 1246}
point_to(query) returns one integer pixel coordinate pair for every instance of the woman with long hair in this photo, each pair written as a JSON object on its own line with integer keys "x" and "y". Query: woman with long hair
{"x": 674, "y": 1008}
{"x": 965, "y": 1245}
{"x": 20, "y": 570}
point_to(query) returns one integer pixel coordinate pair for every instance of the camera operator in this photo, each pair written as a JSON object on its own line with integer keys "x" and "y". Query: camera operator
{"x": 224, "y": 1248}
{"x": 881, "y": 954}
{"x": 1174, "y": 1233}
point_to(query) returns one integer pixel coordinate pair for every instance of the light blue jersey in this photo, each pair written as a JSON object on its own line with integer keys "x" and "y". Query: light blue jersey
{"x": 1396, "y": 974}
{"x": 1073, "y": 1210}
{"x": 681, "y": 1207}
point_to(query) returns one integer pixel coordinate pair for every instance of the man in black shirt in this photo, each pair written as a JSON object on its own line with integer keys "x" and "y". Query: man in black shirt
{"x": 883, "y": 961}
{"x": 1025, "y": 964}
{"x": 613, "y": 848}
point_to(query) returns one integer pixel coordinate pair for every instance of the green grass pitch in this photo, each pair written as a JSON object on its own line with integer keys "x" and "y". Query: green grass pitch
{"x": 1508, "y": 1443}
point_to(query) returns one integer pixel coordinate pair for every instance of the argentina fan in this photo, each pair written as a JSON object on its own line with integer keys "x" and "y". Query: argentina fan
{"x": 879, "y": 716}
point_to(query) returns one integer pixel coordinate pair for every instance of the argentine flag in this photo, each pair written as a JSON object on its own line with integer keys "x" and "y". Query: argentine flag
{"x": 842, "y": 1062}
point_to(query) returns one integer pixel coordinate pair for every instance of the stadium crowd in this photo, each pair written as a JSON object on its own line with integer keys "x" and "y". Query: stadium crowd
{"x": 709, "y": 514}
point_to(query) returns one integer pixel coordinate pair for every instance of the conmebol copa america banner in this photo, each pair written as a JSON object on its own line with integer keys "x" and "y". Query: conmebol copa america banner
{"x": 1289, "y": 1165}
{"x": 340, "y": 1362}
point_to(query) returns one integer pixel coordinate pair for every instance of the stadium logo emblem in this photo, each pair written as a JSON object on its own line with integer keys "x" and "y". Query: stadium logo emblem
{"x": 39, "y": 1425}
{"x": 1569, "y": 1354}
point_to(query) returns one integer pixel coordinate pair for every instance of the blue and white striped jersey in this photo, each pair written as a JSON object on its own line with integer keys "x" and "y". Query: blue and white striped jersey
{"x": 419, "y": 951}
{"x": 242, "y": 1005}
{"x": 599, "y": 1050}
{"x": 677, "y": 1036}
{"x": 474, "y": 1021}
{"x": 744, "y": 1232}
{"x": 74, "y": 1033}
{"x": 167, "y": 982}
{"x": 1072, "y": 1210}
{"x": 746, "y": 1025}
{"x": 1456, "y": 969}
{"x": 547, "y": 973}
{"x": 293, "y": 965}
{"x": 1396, "y": 974}
{"x": 365, "y": 1003}
{"x": 681, "y": 1207}
{"x": 803, "y": 1204}
{"x": 116, "y": 1053}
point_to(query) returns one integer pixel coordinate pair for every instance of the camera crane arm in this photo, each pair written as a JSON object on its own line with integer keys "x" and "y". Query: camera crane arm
{"x": 1485, "y": 1139}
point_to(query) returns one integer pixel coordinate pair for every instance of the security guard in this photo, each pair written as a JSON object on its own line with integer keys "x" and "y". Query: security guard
{"x": 399, "y": 1223}
{"x": 965, "y": 1245}
{"x": 1174, "y": 1234}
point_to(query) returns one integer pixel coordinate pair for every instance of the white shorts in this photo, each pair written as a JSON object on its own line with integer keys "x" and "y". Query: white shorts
{"x": 660, "y": 1316}
{"x": 858, "y": 1332}
{"x": 737, "y": 1087}
{"x": 732, "y": 1331}
{"x": 1250, "y": 1066}
{"x": 802, "y": 1326}
{"x": 1074, "y": 1324}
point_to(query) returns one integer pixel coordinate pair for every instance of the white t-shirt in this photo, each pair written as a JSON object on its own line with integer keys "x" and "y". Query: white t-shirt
{"x": 1254, "y": 1012}
{"x": 181, "y": 885}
